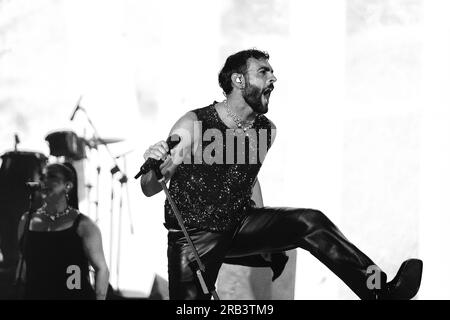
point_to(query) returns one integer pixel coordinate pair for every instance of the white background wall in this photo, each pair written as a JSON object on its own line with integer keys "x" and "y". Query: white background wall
{"x": 361, "y": 105}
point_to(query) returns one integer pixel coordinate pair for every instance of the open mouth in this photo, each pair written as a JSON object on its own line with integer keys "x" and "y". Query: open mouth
{"x": 267, "y": 92}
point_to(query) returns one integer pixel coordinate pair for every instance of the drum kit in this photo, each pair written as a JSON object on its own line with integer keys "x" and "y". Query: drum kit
{"x": 19, "y": 167}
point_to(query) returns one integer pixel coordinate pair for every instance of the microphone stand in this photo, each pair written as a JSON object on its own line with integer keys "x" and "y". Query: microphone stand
{"x": 22, "y": 243}
{"x": 201, "y": 267}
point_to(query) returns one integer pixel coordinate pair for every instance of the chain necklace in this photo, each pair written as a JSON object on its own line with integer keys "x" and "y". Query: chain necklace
{"x": 243, "y": 125}
{"x": 54, "y": 217}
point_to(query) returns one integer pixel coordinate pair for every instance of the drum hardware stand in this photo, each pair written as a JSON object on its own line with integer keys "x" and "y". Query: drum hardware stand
{"x": 88, "y": 198}
{"x": 97, "y": 196}
{"x": 154, "y": 165}
{"x": 123, "y": 183}
{"x": 97, "y": 138}
{"x": 89, "y": 186}
{"x": 119, "y": 236}
{"x": 93, "y": 145}
{"x": 115, "y": 169}
{"x": 23, "y": 241}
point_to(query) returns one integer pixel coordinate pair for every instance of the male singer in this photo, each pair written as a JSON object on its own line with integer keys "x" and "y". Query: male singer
{"x": 213, "y": 181}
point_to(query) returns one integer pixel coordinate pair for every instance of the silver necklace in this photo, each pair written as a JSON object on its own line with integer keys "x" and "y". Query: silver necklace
{"x": 243, "y": 125}
{"x": 56, "y": 216}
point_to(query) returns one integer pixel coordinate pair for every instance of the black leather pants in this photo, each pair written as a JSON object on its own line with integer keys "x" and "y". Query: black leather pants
{"x": 266, "y": 230}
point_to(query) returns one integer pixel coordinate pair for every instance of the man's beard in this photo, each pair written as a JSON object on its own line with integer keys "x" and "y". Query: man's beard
{"x": 253, "y": 97}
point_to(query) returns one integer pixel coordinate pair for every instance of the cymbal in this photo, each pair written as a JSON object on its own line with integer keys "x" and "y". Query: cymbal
{"x": 95, "y": 142}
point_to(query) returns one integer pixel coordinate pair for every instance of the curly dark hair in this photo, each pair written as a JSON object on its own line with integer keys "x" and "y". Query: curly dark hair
{"x": 237, "y": 63}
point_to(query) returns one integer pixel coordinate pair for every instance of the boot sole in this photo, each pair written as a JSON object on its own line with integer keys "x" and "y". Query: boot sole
{"x": 408, "y": 280}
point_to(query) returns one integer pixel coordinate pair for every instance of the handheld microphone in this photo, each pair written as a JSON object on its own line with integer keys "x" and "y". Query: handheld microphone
{"x": 34, "y": 186}
{"x": 153, "y": 164}
{"x": 76, "y": 109}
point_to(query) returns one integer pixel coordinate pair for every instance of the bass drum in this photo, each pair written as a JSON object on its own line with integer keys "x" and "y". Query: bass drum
{"x": 17, "y": 168}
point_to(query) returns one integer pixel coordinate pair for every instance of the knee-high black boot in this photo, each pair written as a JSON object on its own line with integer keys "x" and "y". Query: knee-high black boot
{"x": 324, "y": 240}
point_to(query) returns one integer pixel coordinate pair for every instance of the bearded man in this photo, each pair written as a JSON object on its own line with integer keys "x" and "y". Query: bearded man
{"x": 216, "y": 190}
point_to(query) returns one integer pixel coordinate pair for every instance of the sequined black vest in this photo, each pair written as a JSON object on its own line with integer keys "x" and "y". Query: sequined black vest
{"x": 213, "y": 189}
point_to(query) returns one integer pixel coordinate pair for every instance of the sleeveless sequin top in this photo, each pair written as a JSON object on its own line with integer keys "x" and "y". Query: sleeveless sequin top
{"x": 213, "y": 190}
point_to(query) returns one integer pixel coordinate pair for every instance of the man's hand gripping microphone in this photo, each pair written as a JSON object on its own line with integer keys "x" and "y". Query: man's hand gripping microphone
{"x": 153, "y": 164}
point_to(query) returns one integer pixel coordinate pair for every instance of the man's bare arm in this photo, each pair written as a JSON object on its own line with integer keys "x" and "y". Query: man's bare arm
{"x": 185, "y": 127}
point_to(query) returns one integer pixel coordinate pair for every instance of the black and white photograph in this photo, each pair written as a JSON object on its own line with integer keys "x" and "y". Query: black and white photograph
{"x": 233, "y": 150}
